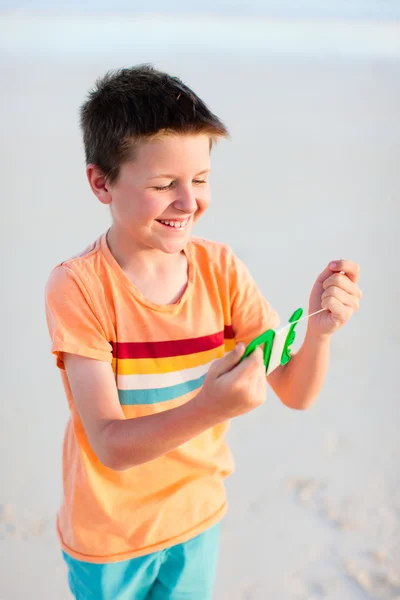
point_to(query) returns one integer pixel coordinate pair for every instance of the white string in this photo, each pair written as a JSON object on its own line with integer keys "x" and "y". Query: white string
{"x": 305, "y": 317}
{"x": 308, "y": 316}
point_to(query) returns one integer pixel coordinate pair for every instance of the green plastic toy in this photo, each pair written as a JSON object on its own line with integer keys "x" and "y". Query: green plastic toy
{"x": 277, "y": 344}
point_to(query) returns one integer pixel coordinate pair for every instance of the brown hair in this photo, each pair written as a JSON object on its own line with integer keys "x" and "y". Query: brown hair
{"x": 131, "y": 104}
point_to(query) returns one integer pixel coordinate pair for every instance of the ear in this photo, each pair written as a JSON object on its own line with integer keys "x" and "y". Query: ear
{"x": 98, "y": 183}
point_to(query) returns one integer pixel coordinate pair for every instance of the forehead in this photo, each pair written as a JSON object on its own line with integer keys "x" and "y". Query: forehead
{"x": 183, "y": 150}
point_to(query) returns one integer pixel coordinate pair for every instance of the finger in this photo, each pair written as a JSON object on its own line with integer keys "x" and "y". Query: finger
{"x": 350, "y": 268}
{"x": 251, "y": 362}
{"x": 336, "y": 267}
{"x": 257, "y": 357}
{"x": 344, "y": 283}
{"x": 339, "y": 311}
{"x": 229, "y": 361}
{"x": 341, "y": 295}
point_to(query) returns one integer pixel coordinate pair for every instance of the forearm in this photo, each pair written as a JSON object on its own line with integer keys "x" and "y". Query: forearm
{"x": 130, "y": 442}
{"x": 298, "y": 383}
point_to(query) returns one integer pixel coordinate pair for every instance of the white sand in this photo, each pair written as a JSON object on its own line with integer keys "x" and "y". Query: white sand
{"x": 314, "y": 166}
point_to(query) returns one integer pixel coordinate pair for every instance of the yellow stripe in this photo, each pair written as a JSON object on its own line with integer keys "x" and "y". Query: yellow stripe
{"x": 150, "y": 366}
{"x": 229, "y": 345}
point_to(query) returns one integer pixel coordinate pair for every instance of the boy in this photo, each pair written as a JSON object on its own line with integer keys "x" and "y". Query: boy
{"x": 148, "y": 326}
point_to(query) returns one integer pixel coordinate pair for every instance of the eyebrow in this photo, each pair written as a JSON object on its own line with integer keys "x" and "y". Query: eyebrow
{"x": 173, "y": 176}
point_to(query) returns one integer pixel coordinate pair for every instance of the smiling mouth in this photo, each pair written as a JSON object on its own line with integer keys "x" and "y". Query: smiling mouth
{"x": 174, "y": 224}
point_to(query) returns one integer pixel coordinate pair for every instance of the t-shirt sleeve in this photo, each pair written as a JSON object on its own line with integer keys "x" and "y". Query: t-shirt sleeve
{"x": 73, "y": 325}
{"x": 251, "y": 313}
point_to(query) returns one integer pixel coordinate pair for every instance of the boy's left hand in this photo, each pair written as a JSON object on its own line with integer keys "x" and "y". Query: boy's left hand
{"x": 336, "y": 292}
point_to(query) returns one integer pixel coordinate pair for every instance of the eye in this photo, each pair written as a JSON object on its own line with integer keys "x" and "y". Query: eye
{"x": 163, "y": 188}
{"x": 199, "y": 181}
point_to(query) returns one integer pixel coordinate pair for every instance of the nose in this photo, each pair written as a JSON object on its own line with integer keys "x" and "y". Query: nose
{"x": 186, "y": 200}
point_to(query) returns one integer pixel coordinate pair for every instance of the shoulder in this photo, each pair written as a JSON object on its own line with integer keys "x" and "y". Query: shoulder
{"x": 77, "y": 277}
{"x": 79, "y": 268}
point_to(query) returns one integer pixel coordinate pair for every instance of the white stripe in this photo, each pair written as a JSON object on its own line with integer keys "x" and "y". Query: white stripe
{"x": 161, "y": 380}
{"x": 277, "y": 349}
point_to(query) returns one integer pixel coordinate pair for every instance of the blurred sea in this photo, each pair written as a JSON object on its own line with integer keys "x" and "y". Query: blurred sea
{"x": 338, "y": 9}
{"x": 360, "y": 30}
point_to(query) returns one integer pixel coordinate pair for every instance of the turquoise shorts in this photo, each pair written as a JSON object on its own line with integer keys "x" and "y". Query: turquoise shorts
{"x": 183, "y": 572}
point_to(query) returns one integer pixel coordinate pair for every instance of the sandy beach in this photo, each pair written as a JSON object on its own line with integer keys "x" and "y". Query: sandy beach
{"x": 311, "y": 174}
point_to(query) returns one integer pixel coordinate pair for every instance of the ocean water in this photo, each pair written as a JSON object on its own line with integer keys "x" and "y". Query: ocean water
{"x": 342, "y": 9}
{"x": 56, "y": 37}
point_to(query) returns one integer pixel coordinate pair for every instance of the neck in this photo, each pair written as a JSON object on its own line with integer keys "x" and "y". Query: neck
{"x": 133, "y": 258}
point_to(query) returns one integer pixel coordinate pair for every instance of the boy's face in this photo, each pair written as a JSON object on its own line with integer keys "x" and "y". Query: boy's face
{"x": 167, "y": 181}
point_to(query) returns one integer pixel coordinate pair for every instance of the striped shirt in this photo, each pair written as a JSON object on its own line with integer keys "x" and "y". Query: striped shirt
{"x": 160, "y": 355}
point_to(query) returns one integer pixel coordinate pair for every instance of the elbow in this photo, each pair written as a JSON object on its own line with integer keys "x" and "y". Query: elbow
{"x": 108, "y": 458}
{"x": 297, "y": 402}
{"x": 108, "y": 453}
{"x": 111, "y": 461}
{"x": 114, "y": 460}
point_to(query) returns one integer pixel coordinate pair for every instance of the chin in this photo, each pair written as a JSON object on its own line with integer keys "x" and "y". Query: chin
{"x": 174, "y": 248}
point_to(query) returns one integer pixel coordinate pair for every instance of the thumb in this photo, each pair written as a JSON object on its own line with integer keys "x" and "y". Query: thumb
{"x": 229, "y": 361}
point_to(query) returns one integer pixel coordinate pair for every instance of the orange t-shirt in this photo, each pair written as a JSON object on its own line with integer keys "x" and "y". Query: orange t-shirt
{"x": 160, "y": 355}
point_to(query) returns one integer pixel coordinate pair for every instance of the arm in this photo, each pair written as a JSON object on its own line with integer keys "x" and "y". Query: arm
{"x": 298, "y": 383}
{"x": 120, "y": 443}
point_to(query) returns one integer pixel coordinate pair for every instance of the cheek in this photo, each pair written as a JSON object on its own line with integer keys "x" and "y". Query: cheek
{"x": 203, "y": 201}
{"x": 141, "y": 207}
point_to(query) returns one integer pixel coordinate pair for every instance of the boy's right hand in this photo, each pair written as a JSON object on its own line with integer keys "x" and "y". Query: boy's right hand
{"x": 232, "y": 388}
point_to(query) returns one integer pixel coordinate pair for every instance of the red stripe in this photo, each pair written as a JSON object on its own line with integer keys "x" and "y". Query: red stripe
{"x": 170, "y": 348}
{"x": 229, "y": 334}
